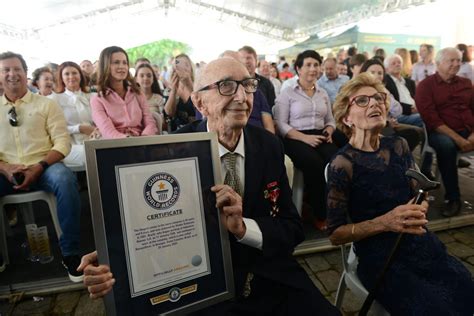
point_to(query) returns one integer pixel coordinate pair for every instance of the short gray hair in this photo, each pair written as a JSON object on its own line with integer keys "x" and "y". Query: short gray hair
{"x": 388, "y": 60}
{"x": 441, "y": 55}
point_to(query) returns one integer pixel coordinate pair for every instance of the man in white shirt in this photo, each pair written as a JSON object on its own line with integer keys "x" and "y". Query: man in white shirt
{"x": 402, "y": 89}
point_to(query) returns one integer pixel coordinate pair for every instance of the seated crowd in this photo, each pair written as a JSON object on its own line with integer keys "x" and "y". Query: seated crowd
{"x": 362, "y": 116}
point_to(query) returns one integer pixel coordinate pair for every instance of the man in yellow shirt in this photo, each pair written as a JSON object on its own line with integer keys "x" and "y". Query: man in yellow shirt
{"x": 34, "y": 141}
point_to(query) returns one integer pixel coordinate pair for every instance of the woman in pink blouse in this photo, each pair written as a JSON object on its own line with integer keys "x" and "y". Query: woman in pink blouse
{"x": 120, "y": 109}
{"x": 304, "y": 119}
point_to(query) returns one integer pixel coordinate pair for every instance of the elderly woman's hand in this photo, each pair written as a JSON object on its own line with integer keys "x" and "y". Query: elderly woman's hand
{"x": 407, "y": 218}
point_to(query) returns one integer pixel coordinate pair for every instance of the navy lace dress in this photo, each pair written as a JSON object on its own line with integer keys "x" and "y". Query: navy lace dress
{"x": 424, "y": 279}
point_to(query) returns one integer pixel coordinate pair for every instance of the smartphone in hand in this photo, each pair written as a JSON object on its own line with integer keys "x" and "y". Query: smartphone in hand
{"x": 18, "y": 178}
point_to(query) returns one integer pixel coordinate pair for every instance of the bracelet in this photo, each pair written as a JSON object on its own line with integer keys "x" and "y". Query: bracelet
{"x": 353, "y": 229}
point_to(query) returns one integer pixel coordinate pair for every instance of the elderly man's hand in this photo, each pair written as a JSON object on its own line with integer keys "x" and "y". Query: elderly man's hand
{"x": 464, "y": 144}
{"x": 98, "y": 278}
{"x": 230, "y": 204}
{"x": 407, "y": 218}
{"x": 471, "y": 140}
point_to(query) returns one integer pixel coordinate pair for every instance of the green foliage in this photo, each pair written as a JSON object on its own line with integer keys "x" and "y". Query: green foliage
{"x": 158, "y": 52}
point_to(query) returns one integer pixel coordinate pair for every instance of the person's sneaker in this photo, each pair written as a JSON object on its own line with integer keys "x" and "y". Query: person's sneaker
{"x": 463, "y": 163}
{"x": 3, "y": 264}
{"x": 71, "y": 263}
{"x": 453, "y": 207}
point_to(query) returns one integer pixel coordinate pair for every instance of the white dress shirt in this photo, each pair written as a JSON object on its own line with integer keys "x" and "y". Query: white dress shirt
{"x": 403, "y": 91}
{"x": 77, "y": 111}
{"x": 253, "y": 235}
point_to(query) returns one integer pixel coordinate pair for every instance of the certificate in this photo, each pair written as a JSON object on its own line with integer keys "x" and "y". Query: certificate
{"x": 161, "y": 209}
{"x": 156, "y": 224}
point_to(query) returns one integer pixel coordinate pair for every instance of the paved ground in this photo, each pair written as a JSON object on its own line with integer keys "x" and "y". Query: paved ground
{"x": 323, "y": 268}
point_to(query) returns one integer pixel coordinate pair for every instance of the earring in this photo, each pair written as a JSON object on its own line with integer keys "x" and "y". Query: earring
{"x": 349, "y": 125}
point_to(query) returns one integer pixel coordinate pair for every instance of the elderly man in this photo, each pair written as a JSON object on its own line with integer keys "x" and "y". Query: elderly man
{"x": 268, "y": 280}
{"x": 331, "y": 81}
{"x": 34, "y": 141}
{"x": 402, "y": 89}
{"x": 446, "y": 103}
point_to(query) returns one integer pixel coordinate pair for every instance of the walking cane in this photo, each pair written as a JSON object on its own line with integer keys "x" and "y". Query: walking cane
{"x": 424, "y": 185}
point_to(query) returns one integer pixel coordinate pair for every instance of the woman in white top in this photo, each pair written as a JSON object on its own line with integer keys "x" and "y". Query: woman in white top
{"x": 146, "y": 79}
{"x": 303, "y": 115}
{"x": 74, "y": 99}
{"x": 275, "y": 78}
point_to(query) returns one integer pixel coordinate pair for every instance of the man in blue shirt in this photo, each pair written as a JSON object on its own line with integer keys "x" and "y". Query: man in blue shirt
{"x": 331, "y": 81}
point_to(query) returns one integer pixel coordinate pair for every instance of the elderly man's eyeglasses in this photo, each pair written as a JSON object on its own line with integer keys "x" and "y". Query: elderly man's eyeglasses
{"x": 229, "y": 87}
{"x": 364, "y": 100}
{"x": 12, "y": 117}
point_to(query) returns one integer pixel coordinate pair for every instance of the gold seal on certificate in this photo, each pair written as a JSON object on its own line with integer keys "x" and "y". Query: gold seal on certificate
{"x": 161, "y": 210}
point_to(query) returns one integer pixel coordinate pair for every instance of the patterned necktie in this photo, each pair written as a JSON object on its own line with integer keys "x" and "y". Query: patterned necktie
{"x": 232, "y": 178}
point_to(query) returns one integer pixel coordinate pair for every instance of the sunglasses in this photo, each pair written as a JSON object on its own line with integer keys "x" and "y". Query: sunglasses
{"x": 12, "y": 117}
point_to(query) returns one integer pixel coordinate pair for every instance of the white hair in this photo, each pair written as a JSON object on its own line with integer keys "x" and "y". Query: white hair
{"x": 441, "y": 55}
{"x": 389, "y": 59}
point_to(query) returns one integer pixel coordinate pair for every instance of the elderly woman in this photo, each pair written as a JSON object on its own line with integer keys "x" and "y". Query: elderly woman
{"x": 43, "y": 80}
{"x": 304, "y": 119}
{"x": 369, "y": 203}
{"x": 120, "y": 109}
{"x": 74, "y": 99}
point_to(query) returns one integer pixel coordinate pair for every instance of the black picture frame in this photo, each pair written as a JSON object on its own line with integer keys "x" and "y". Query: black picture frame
{"x": 102, "y": 160}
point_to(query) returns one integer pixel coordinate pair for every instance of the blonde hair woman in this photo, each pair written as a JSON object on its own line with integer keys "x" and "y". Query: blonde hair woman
{"x": 370, "y": 202}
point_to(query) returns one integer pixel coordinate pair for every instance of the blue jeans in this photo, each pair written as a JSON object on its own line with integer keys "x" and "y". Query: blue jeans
{"x": 412, "y": 119}
{"x": 446, "y": 154}
{"x": 59, "y": 180}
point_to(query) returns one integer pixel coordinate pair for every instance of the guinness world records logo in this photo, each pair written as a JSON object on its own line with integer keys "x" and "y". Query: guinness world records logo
{"x": 161, "y": 191}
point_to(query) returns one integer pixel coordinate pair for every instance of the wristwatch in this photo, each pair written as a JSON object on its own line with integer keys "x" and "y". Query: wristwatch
{"x": 44, "y": 164}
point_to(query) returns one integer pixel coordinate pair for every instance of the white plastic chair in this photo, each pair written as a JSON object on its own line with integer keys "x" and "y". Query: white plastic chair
{"x": 349, "y": 279}
{"x": 20, "y": 198}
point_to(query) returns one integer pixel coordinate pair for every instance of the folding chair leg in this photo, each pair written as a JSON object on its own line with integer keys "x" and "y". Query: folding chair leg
{"x": 3, "y": 235}
{"x": 54, "y": 215}
{"x": 341, "y": 291}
